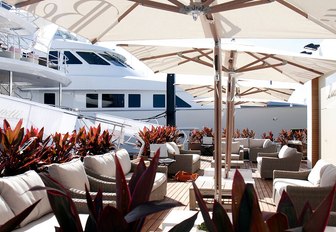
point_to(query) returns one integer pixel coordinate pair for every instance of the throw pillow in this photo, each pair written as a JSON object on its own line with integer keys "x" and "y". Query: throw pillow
{"x": 329, "y": 176}
{"x": 15, "y": 191}
{"x": 316, "y": 173}
{"x": 101, "y": 164}
{"x": 70, "y": 174}
{"x": 124, "y": 160}
{"x": 5, "y": 211}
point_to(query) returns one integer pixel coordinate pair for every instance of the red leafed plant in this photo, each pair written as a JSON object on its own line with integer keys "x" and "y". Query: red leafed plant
{"x": 21, "y": 152}
{"x": 247, "y": 133}
{"x": 62, "y": 148}
{"x": 247, "y": 216}
{"x": 93, "y": 142}
{"x": 159, "y": 134}
{"x": 268, "y": 136}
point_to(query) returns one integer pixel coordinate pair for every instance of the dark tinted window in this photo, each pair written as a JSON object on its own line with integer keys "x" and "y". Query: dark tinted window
{"x": 159, "y": 100}
{"x": 181, "y": 103}
{"x": 91, "y": 100}
{"x": 53, "y": 57}
{"x": 134, "y": 100}
{"x": 112, "y": 100}
{"x": 113, "y": 59}
{"x": 49, "y": 98}
{"x": 92, "y": 58}
{"x": 71, "y": 58}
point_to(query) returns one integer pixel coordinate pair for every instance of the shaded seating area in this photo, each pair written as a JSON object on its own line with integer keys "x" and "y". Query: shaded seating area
{"x": 260, "y": 145}
{"x": 312, "y": 185}
{"x": 102, "y": 168}
{"x": 185, "y": 160}
{"x": 287, "y": 158}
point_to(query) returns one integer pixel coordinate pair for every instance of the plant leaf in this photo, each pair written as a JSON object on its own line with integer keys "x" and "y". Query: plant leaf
{"x": 140, "y": 169}
{"x": 250, "y": 216}
{"x": 185, "y": 225}
{"x": 204, "y": 209}
{"x": 122, "y": 190}
{"x": 221, "y": 218}
{"x": 15, "y": 221}
{"x": 318, "y": 221}
{"x": 286, "y": 207}
{"x": 112, "y": 220}
{"x": 150, "y": 207}
{"x": 145, "y": 183}
{"x": 277, "y": 222}
{"x": 238, "y": 188}
{"x": 306, "y": 213}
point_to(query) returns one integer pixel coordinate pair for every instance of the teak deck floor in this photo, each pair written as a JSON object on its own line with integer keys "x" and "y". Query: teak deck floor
{"x": 180, "y": 191}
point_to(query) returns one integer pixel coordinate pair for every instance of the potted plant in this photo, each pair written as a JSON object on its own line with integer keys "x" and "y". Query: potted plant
{"x": 195, "y": 138}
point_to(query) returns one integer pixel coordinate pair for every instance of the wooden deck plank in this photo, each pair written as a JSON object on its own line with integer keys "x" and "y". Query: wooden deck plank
{"x": 180, "y": 191}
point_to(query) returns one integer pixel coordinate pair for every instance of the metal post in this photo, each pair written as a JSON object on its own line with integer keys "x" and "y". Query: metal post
{"x": 60, "y": 92}
{"x": 218, "y": 120}
{"x": 171, "y": 100}
{"x": 10, "y": 91}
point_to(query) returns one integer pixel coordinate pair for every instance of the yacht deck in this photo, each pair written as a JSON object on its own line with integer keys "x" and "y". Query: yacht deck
{"x": 180, "y": 191}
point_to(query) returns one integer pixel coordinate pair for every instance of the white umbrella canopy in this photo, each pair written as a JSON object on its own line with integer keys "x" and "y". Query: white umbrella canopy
{"x": 162, "y": 19}
{"x": 251, "y": 63}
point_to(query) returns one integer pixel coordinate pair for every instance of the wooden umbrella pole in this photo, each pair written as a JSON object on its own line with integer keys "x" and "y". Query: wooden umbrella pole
{"x": 218, "y": 120}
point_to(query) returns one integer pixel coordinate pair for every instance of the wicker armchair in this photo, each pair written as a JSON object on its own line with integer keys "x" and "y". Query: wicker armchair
{"x": 185, "y": 160}
{"x": 287, "y": 159}
{"x": 260, "y": 145}
{"x": 312, "y": 186}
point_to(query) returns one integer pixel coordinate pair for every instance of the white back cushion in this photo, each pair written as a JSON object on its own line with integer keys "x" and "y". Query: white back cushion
{"x": 15, "y": 191}
{"x": 5, "y": 211}
{"x": 257, "y": 142}
{"x": 329, "y": 176}
{"x": 235, "y": 146}
{"x": 286, "y": 151}
{"x": 163, "y": 149}
{"x": 124, "y": 160}
{"x": 267, "y": 143}
{"x": 101, "y": 164}
{"x": 243, "y": 141}
{"x": 175, "y": 147}
{"x": 70, "y": 174}
{"x": 316, "y": 173}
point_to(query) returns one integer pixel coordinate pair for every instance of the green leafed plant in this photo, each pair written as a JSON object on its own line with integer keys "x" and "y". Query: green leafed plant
{"x": 93, "y": 142}
{"x": 131, "y": 207}
{"x": 247, "y": 216}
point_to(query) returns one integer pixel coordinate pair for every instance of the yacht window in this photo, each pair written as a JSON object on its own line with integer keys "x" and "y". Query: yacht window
{"x": 113, "y": 100}
{"x": 159, "y": 101}
{"x": 91, "y": 100}
{"x": 181, "y": 103}
{"x": 113, "y": 60}
{"x": 49, "y": 98}
{"x": 134, "y": 100}
{"x": 71, "y": 58}
{"x": 92, "y": 58}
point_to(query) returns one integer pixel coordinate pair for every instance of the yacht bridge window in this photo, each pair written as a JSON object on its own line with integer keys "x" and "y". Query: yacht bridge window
{"x": 49, "y": 98}
{"x": 68, "y": 56}
{"x": 134, "y": 100}
{"x": 113, "y": 100}
{"x": 113, "y": 60}
{"x": 160, "y": 102}
{"x": 91, "y": 100}
{"x": 92, "y": 58}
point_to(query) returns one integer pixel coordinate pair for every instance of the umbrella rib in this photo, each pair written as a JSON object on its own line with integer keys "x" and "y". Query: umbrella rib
{"x": 26, "y": 3}
{"x": 262, "y": 66}
{"x": 279, "y": 91}
{"x": 177, "y": 3}
{"x": 236, "y": 4}
{"x": 241, "y": 69}
{"x": 169, "y": 54}
{"x": 158, "y": 5}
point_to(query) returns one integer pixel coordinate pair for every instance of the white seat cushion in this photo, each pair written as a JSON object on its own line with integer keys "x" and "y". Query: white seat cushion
{"x": 160, "y": 178}
{"x": 316, "y": 173}
{"x": 280, "y": 184}
{"x": 124, "y": 160}
{"x": 15, "y": 190}
{"x": 233, "y": 156}
{"x": 196, "y": 158}
{"x": 101, "y": 164}
{"x": 70, "y": 174}
{"x": 329, "y": 176}
{"x": 5, "y": 211}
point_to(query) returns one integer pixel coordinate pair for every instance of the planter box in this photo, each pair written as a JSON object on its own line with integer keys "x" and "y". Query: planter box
{"x": 194, "y": 146}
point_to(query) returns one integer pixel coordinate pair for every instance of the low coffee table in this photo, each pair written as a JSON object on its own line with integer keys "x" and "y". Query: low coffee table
{"x": 206, "y": 186}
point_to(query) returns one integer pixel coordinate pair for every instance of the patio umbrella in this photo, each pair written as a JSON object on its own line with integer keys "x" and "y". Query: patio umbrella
{"x": 158, "y": 19}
